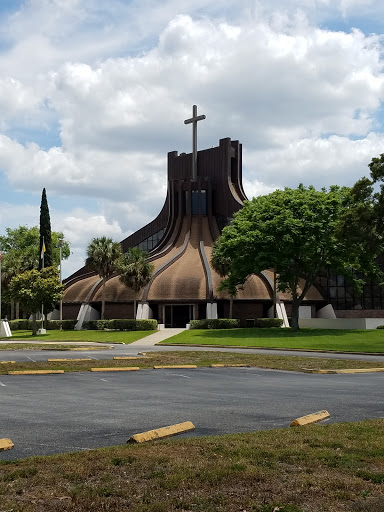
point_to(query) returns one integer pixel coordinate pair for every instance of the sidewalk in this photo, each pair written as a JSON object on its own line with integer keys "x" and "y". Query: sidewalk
{"x": 153, "y": 339}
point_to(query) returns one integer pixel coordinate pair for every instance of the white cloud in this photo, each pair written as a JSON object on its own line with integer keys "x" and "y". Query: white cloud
{"x": 319, "y": 162}
{"x": 120, "y": 79}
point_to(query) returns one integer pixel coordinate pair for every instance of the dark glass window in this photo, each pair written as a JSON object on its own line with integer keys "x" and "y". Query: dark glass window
{"x": 195, "y": 202}
{"x": 341, "y": 295}
{"x": 150, "y": 243}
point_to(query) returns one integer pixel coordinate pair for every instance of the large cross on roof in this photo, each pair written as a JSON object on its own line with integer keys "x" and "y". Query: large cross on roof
{"x": 194, "y": 119}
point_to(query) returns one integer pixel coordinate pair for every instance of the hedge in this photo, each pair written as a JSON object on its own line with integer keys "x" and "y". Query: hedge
{"x": 121, "y": 324}
{"x": 23, "y": 324}
{"x": 380, "y": 327}
{"x": 268, "y": 322}
{"x": 66, "y": 325}
{"x": 215, "y": 323}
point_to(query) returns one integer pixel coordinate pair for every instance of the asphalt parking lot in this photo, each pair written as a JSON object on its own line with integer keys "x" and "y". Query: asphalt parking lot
{"x": 61, "y": 413}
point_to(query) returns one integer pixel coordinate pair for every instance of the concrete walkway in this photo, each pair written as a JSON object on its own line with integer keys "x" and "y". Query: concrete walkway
{"x": 156, "y": 337}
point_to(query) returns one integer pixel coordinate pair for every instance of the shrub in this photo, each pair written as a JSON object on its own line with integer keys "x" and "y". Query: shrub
{"x": 129, "y": 324}
{"x": 66, "y": 325}
{"x": 268, "y": 322}
{"x": 23, "y": 324}
{"x": 121, "y": 324}
{"x": 380, "y": 327}
{"x": 215, "y": 323}
{"x": 96, "y": 325}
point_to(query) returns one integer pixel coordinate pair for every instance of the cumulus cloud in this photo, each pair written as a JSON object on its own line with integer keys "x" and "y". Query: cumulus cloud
{"x": 118, "y": 81}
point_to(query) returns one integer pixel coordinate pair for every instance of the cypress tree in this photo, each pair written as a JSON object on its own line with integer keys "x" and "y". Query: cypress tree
{"x": 45, "y": 232}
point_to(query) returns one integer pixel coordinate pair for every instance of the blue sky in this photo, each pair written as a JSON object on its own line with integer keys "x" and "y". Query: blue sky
{"x": 93, "y": 95}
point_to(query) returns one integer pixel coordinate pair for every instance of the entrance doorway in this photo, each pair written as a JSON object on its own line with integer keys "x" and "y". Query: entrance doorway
{"x": 178, "y": 315}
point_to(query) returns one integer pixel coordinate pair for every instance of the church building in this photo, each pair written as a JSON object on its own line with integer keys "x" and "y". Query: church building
{"x": 204, "y": 191}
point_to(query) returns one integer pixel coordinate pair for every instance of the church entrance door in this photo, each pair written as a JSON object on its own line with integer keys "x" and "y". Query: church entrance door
{"x": 178, "y": 315}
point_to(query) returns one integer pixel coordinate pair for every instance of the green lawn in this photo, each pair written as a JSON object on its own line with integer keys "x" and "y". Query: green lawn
{"x": 315, "y": 339}
{"x": 333, "y": 468}
{"x": 96, "y": 336}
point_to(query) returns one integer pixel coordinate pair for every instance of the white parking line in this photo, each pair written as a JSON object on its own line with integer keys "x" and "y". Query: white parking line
{"x": 179, "y": 375}
{"x": 1, "y": 384}
{"x": 31, "y": 359}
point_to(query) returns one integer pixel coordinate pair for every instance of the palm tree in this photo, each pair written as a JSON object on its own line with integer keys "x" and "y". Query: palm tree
{"x": 136, "y": 272}
{"x": 103, "y": 256}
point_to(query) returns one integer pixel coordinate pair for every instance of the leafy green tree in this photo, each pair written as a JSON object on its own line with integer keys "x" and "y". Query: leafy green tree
{"x": 136, "y": 271}
{"x": 104, "y": 257}
{"x": 298, "y": 233}
{"x": 34, "y": 288}
{"x": 223, "y": 266}
{"x": 20, "y": 248}
{"x": 362, "y": 223}
{"x": 45, "y": 233}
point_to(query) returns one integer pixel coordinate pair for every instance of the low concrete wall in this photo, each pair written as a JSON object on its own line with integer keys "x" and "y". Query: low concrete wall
{"x": 341, "y": 323}
{"x": 372, "y": 323}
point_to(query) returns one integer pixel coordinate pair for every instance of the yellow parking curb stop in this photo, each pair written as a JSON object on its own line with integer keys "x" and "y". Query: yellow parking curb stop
{"x": 310, "y": 418}
{"x": 159, "y": 433}
{"x": 6, "y": 444}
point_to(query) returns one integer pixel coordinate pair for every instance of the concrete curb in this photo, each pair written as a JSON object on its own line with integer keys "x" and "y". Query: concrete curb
{"x": 159, "y": 433}
{"x": 35, "y": 372}
{"x": 351, "y": 370}
{"x": 90, "y": 348}
{"x": 126, "y": 357}
{"x": 175, "y": 366}
{"x": 7, "y": 362}
{"x": 310, "y": 418}
{"x": 6, "y": 444}
{"x": 67, "y": 360}
{"x": 117, "y": 369}
{"x": 230, "y": 366}
{"x": 275, "y": 348}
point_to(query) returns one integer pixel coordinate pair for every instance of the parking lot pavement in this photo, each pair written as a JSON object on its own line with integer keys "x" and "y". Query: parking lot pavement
{"x": 79, "y": 411}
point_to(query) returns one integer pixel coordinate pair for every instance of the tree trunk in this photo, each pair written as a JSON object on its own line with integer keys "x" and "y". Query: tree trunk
{"x": 17, "y": 310}
{"x": 103, "y": 300}
{"x": 134, "y": 307}
{"x": 295, "y": 315}
{"x": 34, "y": 325}
{"x": 12, "y": 309}
{"x": 231, "y": 306}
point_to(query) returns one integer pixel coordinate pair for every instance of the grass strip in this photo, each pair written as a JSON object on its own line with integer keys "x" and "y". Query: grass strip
{"x": 333, "y": 468}
{"x": 125, "y": 337}
{"x": 364, "y": 341}
{"x": 201, "y": 359}
{"x": 38, "y": 346}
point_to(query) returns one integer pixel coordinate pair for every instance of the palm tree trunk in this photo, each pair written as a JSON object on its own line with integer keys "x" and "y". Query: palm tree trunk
{"x": 103, "y": 300}
{"x": 17, "y": 310}
{"x": 134, "y": 307}
{"x": 12, "y": 309}
{"x": 231, "y": 306}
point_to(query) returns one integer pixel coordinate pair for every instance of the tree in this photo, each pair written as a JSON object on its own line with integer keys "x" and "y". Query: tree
{"x": 45, "y": 233}
{"x": 34, "y": 288}
{"x": 103, "y": 256}
{"x": 20, "y": 248}
{"x": 136, "y": 271}
{"x": 223, "y": 266}
{"x": 362, "y": 222}
{"x": 298, "y": 233}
